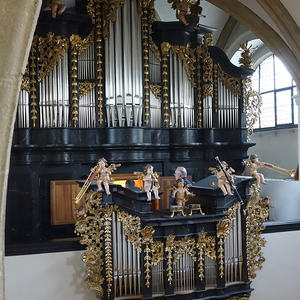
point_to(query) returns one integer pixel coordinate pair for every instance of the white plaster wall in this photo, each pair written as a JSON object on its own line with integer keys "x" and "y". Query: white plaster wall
{"x": 279, "y": 278}
{"x": 278, "y": 147}
{"x": 60, "y": 276}
{"x": 52, "y": 276}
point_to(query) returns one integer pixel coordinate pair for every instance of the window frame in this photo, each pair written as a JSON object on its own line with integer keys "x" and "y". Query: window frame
{"x": 275, "y": 90}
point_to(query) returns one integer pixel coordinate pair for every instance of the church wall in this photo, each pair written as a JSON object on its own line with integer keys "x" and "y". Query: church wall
{"x": 61, "y": 275}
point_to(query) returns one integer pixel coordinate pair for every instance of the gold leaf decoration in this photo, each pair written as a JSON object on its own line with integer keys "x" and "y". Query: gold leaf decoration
{"x": 223, "y": 229}
{"x": 147, "y": 239}
{"x": 154, "y": 49}
{"x": 131, "y": 228}
{"x": 85, "y": 87}
{"x": 156, "y": 90}
{"x": 79, "y": 44}
{"x": 257, "y": 213}
{"x": 25, "y": 85}
{"x": 157, "y": 252}
{"x": 51, "y": 50}
{"x": 187, "y": 55}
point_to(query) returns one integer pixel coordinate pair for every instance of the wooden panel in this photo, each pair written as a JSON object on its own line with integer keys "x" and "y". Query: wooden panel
{"x": 165, "y": 182}
{"x": 62, "y": 193}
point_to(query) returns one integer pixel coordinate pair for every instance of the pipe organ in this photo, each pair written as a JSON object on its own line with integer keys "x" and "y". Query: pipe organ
{"x": 194, "y": 87}
{"x": 146, "y": 253}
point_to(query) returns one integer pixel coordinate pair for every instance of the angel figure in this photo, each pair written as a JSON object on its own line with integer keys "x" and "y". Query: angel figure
{"x": 181, "y": 193}
{"x": 151, "y": 183}
{"x": 102, "y": 174}
{"x": 254, "y": 165}
{"x": 57, "y": 7}
{"x": 223, "y": 183}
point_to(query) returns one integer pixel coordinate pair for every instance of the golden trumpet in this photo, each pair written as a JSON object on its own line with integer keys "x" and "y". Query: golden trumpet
{"x": 290, "y": 173}
{"x": 86, "y": 185}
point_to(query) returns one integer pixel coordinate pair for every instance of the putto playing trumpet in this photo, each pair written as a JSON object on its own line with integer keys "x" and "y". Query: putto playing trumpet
{"x": 254, "y": 165}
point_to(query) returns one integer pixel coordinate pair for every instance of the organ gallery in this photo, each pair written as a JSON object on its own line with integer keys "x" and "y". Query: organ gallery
{"x": 107, "y": 79}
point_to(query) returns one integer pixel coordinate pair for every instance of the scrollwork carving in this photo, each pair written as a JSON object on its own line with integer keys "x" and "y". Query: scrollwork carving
{"x": 257, "y": 213}
{"x": 51, "y": 50}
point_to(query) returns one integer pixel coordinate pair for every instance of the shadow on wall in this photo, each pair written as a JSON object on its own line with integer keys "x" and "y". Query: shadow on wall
{"x": 284, "y": 198}
{"x": 78, "y": 281}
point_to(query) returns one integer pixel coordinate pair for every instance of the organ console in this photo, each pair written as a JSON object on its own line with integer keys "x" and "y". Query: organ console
{"x": 136, "y": 252}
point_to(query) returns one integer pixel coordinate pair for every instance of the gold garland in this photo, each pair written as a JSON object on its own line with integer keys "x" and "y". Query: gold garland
{"x": 108, "y": 210}
{"x": 206, "y": 245}
{"x": 199, "y": 94}
{"x": 147, "y": 239}
{"x": 109, "y": 12}
{"x": 207, "y": 65}
{"x": 175, "y": 248}
{"x": 187, "y": 55}
{"x": 81, "y": 44}
{"x": 223, "y": 229}
{"x": 32, "y": 81}
{"x": 74, "y": 55}
{"x": 25, "y": 85}
{"x": 165, "y": 48}
{"x": 99, "y": 20}
{"x": 257, "y": 213}
{"x": 51, "y": 49}
{"x": 89, "y": 226}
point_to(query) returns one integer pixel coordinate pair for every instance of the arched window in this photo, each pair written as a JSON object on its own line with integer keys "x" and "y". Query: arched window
{"x": 276, "y": 86}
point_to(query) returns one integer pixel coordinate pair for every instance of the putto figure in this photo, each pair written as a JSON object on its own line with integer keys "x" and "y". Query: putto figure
{"x": 181, "y": 193}
{"x": 254, "y": 165}
{"x": 151, "y": 183}
{"x": 223, "y": 182}
{"x": 102, "y": 174}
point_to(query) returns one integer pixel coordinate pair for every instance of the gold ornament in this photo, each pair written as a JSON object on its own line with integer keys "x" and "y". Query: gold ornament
{"x": 223, "y": 229}
{"x": 85, "y": 87}
{"x": 257, "y": 213}
{"x": 157, "y": 252}
{"x": 147, "y": 238}
{"x": 51, "y": 49}
{"x": 156, "y": 90}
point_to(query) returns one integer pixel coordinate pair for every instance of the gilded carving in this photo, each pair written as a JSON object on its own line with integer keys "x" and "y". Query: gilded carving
{"x": 246, "y": 56}
{"x": 89, "y": 226}
{"x": 147, "y": 238}
{"x": 202, "y": 52}
{"x": 175, "y": 248}
{"x": 85, "y": 87}
{"x": 25, "y": 85}
{"x": 157, "y": 249}
{"x": 223, "y": 229}
{"x": 257, "y": 213}
{"x": 131, "y": 228}
{"x": 108, "y": 10}
{"x": 32, "y": 82}
{"x": 107, "y": 218}
{"x": 206, "y": 246}
{"x": 81, "y": 44}
{"x": 156, "y": 90}
{"x": 252, "y": 102}
{"x": 187, "y": 55}
{"x": 154, "y": 49}
{"x": 232, "y": 83}
{"x": 51, "y": 49}
{"x": 165, "y": 48}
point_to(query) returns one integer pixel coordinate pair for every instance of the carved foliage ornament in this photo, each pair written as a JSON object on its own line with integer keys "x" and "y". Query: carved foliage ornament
{"x": 156, "y": 90}
{"x": 108, "y": 9}
{"x": 257, "y": 213}
{"x": 85, "y": 87}
{"x": 252, "y": 103}
{"x": 51, "y": 50}
{"x": 223, "y": 229}
{"x": 187, "y": 55}
{"x": 80, "y": 45}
